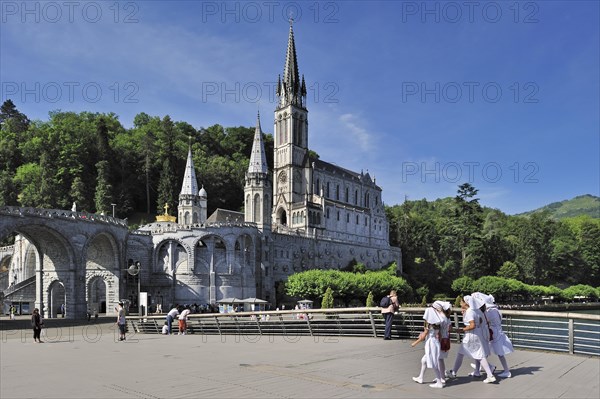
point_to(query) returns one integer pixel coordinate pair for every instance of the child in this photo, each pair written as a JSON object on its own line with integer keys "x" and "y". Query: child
{"x": 165, "y": 329}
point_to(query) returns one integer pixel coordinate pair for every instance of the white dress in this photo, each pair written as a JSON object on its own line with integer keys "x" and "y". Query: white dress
{"x": 500, "y": 345}
{"x": 475, "y": 343}
{"x": 432, "y": 349}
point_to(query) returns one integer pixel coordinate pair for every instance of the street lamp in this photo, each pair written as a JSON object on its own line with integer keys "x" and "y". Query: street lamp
{"x": 134, "y": 270}
{"x": 113, "y": 206}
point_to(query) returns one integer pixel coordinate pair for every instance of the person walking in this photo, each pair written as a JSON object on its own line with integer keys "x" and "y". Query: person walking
{"x": 121, "y": 321}
{"x": 36, "y": 324}
{"x": 388, "y": 313}
{"x": 171, "y": 316}
{"x": 444, "y": 308}
{"x": 12, "y": 311}
{"x": 475, "y": 342}
{"x": 500, "y": 344}
{"x": 434, "y": 318}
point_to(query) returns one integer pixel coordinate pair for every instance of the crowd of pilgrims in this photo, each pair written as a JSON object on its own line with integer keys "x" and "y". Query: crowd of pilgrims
{"x": 482, "y": 337}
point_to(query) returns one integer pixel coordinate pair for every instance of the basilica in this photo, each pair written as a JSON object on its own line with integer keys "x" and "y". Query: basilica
{"x": 304, "y": 214}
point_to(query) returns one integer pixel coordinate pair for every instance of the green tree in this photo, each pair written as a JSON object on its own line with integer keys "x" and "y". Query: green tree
{"x": 509, "y": 270}
{"x": 166, "y": 187}
{"x": 28, "y": 180}
{"x": 327, "y": 302}
{"x": 581, "y": 290}
{"x": 370, "y": 302}
{"x": 467, "y": 222}
{"x": 103, "y": 197}
{"x": 11, "y": 118}
{"x": 463, "y": 285}
{"x": 534, "y": 249}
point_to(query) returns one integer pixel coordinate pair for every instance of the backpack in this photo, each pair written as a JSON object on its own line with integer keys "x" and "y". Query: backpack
{"x": 386, "y": 301}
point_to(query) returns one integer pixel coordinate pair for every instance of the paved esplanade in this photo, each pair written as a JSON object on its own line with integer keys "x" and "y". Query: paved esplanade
{"x": 86, "y": 362}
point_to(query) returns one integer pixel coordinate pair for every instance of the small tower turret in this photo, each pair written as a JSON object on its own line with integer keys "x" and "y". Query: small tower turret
{"x": 257, "y": 192}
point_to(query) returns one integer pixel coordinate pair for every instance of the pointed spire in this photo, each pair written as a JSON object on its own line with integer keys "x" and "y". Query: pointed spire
{"x": 290, "y": 90}
{"x": 190, "y": 184}
{"x": 258, "y": 158}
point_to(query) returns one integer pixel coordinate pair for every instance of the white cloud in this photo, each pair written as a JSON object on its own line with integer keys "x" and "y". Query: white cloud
{"x": 353, "y": 125}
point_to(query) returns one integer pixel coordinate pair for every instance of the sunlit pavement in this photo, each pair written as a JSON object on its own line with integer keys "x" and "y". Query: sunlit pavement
{"x": 89, "y": 362}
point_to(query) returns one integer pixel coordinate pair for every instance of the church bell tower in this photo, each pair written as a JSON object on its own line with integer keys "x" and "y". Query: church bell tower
{"x": 291, "y": 138}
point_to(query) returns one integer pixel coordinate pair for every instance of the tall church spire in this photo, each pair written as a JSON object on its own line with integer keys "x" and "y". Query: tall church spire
{"x": 291, "y": 90}
{"x": 258, "y": 157}
{"x": 190, "y": 184}
{"x": 192, "y": 205}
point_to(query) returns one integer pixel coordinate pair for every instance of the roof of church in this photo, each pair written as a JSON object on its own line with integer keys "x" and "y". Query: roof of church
{"x": 224, "y": 216}
{"x": 345, "y": 173}
{"x": 190, "y": 184}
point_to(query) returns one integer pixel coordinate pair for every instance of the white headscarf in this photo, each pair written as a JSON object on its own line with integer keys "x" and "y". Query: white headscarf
{"x": 474, "y": 301}
{"x": 431, "y": 316}
{"x": 490, "y": 302}
{"x": 442, "y": 305}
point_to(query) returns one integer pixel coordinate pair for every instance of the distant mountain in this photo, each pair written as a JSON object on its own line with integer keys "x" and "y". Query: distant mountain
{"x": 582, "y": 205}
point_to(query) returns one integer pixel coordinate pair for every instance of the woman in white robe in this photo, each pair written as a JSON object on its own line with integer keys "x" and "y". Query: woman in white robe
{"x": 475, "y": 342}
{"x": 433, "y": 319}
{"x": 500, "y": 344}
{"x": 443, "y": 309}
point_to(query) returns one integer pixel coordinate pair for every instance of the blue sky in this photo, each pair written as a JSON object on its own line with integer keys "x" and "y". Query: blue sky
{"x": 425, "y": 95}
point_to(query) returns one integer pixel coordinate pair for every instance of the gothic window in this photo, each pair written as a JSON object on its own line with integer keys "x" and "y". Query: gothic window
{"x": 327, "y": 213}
{"x": 256, "y": 217}
{"x": 327, "y": 191}
{"x": 347, "y": 218}
{"x": 318, "y": 218}
{"x": 338, "y": 215}
{"x": 346, "y": 198}
{"x": 356, "y": 219}
{"x": 297, "y": 182}
{"x": 302, "y": 217}
{"x": 337, "y": 192}
{"x": 318, "y": 187}
{"x": 356, "y": 197}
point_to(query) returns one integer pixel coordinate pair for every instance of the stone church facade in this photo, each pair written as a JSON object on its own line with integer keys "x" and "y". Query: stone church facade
{"x": 304, "y": 214}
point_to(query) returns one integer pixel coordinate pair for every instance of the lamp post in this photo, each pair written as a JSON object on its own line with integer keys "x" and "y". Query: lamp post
{"x": 113, "y": 207}
{"x": 134, "y": 270}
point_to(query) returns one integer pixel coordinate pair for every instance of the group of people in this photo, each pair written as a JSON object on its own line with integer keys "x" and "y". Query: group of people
{"x": 482, "y": 336}
{"x": 180, "y": 312}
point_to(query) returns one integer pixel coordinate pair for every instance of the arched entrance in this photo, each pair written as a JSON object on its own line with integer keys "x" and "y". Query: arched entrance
{"x": 57, "y": 299}
{"x": 97, "y": 298}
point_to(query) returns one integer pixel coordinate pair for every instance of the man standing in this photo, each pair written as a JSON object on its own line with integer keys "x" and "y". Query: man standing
{"x": 388, "y": 313}
{"x": 171, "y": 316}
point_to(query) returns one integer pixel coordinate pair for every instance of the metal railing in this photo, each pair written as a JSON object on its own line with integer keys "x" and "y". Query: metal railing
{"x": 574, "y": 333}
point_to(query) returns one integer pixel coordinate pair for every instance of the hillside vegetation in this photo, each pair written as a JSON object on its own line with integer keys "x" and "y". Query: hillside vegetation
{"x": 581, "y": 205}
